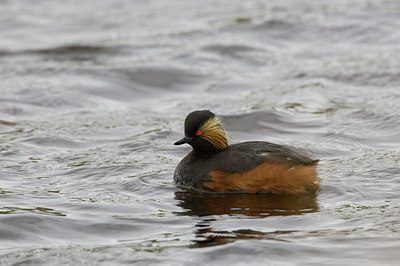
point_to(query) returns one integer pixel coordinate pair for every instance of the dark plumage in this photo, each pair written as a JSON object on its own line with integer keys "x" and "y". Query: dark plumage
{"x": 252, "y": 167}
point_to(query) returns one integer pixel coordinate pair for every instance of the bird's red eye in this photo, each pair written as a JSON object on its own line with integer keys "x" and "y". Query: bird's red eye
{"x": 198, "y": 133}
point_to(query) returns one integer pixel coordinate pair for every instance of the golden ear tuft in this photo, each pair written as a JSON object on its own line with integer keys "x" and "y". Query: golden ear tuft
{"x": 213, "y": 132}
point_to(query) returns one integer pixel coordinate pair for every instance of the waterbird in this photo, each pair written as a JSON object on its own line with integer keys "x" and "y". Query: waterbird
{"x": 247, "y": 167}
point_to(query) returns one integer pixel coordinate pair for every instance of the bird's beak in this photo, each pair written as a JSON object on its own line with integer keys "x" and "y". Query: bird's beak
{"x": 183, "y": 141}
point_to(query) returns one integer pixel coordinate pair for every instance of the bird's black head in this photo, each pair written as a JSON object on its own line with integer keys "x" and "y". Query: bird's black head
{"x": 204, "y": 132}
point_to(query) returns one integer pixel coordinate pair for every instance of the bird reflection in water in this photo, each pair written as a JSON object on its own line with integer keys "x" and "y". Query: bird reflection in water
{"x": 247, "y": 205}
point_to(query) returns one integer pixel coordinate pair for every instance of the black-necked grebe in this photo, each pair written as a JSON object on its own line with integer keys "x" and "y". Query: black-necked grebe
{"x": 249, "y": 167}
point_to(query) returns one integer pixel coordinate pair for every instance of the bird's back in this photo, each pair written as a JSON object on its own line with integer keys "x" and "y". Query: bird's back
{"x": 249, "y": 167}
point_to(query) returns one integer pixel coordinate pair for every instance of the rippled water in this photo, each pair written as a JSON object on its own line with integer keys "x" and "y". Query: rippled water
{"x": 94, "y": 93}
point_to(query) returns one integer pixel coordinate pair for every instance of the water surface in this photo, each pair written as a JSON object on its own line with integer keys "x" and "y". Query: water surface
{"x": 94, "y": 93}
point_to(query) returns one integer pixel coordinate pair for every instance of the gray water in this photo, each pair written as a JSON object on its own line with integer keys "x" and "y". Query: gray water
{"x": 94, "y": 93}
